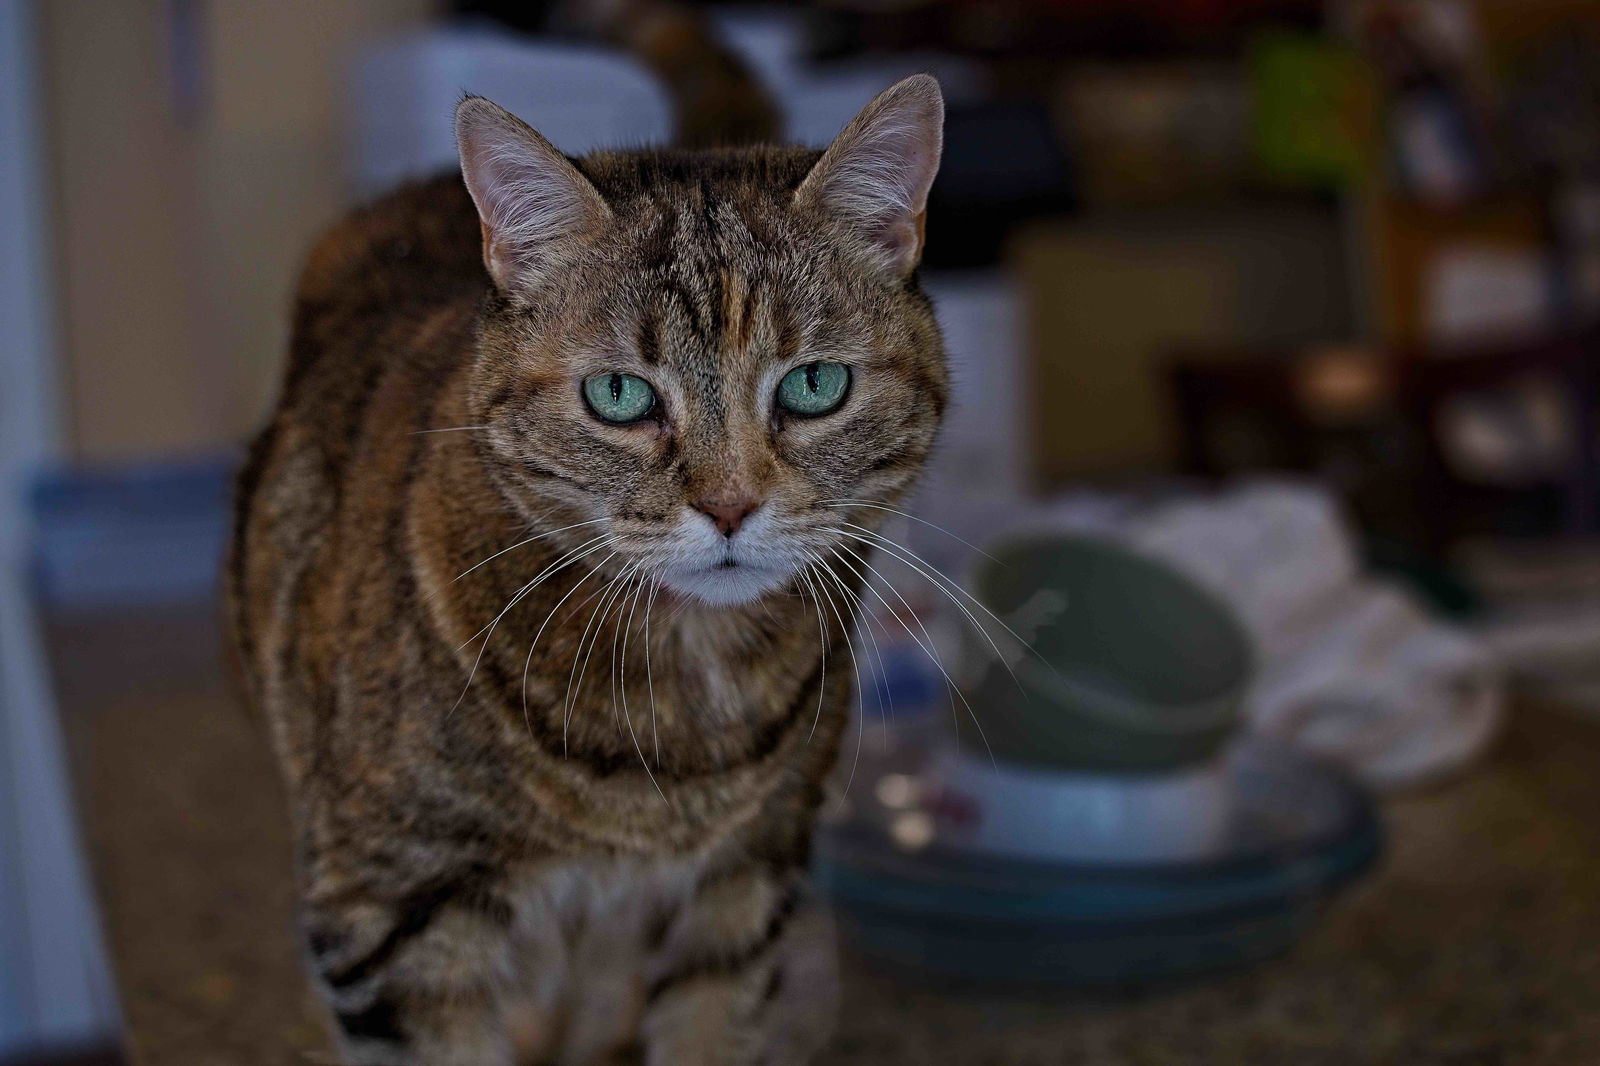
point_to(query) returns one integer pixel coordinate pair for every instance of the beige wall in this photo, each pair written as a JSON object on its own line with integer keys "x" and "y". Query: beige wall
{"x": 1111, "y": 299}
{"x": 178, "y": 236}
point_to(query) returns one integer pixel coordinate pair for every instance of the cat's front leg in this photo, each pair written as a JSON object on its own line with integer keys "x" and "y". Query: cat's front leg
{"x": 765, "y": 994}
{"x": 416, "y": 980}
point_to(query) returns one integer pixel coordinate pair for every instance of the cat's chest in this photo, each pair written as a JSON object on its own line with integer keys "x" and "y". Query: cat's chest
{"x": 603, "y": 917}
{"x": 596, "y": 942}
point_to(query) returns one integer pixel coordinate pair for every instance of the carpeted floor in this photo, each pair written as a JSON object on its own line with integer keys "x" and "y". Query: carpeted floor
{"x": 1478, "y": 942}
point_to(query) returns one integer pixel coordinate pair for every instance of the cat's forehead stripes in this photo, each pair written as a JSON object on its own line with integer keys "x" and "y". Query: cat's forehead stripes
{"x": 707, "y": 303}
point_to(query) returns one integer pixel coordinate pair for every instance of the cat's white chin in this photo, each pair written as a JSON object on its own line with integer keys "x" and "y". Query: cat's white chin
{"x": 726, "y": 586}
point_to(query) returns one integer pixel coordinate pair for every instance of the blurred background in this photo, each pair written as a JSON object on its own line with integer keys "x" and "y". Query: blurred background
{"x": 1273, "y": 326}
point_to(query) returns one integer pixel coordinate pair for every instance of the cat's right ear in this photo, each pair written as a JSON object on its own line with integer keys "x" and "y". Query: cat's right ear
{"x": 875, "y": 176}
{"x": 532, "y": 201}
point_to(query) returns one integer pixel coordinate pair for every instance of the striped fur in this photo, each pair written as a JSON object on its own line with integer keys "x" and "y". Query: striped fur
{"x": 571, "y": 826}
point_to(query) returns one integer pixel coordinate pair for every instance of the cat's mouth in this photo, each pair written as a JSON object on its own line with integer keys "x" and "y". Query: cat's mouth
{"x": 726, "y": 582}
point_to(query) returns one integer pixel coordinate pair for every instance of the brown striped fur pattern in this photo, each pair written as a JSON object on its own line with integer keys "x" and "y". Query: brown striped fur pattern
{"x": 554, "y": 739}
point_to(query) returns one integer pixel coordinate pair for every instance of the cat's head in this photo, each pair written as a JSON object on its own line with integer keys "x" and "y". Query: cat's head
{"x": 718, "y": 357}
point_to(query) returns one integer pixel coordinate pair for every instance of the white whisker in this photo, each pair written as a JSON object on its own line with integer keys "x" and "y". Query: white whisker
{"x": 933, "y": 577}
{"x": 864, "y": 619}
{"x": 535, "y": 643}
{"x": 926, "y": 647}
{"x": 880, "y": 682}
{"x": 940, "y": 581}
{"x": 593, "y": 544}
{"x": 602, "y": 610}
{"x": 821, "y": 578}
{"x": 843, "y": 503}
{"x": 649, "y": 676}
{"x": 623, "y": 682}
{"x": 520, "y": 543}
{"x": 446, "y": 429}
{"x": 822, "y": 640}
{"x": 598, "y": 594}
{"x": 488, "y": 631}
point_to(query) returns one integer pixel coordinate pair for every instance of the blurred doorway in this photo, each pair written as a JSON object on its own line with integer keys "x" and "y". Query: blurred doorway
{"x": 53, "y": 988}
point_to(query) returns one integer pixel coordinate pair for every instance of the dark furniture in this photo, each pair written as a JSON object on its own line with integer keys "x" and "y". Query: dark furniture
{"x": 1239, "y": 413}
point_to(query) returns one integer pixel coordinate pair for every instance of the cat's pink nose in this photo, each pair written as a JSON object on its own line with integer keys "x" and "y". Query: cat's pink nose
{"x": 727, "y": 515}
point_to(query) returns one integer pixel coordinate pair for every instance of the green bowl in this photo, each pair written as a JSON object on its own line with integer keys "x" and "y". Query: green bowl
{"x": 1132, "y": 666}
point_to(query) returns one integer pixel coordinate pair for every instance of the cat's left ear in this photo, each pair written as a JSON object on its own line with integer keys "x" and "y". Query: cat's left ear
{"x": 533, "y": 203}
{"x": 875, "y": 176}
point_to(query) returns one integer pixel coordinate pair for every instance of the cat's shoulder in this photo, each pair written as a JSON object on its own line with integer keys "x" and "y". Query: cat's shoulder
{"x": 421, "y": 239}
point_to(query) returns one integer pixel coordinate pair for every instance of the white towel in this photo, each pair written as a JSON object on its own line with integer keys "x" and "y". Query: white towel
{"x": 1348, "y": 666}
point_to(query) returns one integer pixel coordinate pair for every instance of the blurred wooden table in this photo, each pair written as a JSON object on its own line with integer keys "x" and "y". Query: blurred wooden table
{"x": 1478, "y": 941}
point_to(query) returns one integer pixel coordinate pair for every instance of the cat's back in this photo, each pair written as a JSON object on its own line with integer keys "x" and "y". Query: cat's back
{"x": 383, "y": 316}
{"x": 383, "y": 264}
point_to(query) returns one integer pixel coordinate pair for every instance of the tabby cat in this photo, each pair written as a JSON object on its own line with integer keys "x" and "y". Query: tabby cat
{"x": 535, "y": 568}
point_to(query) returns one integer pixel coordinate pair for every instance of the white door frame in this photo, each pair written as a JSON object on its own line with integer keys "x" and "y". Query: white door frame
{"x": 53, "y": 985}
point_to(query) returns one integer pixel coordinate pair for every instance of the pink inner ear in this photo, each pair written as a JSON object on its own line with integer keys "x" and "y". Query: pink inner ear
{"x": 528, "y": 195}
{"x": 883, "y": 187}
{"x": 901, "y": 237}
{"x": 488, "y": 246}
{"x": 877, "y": 173}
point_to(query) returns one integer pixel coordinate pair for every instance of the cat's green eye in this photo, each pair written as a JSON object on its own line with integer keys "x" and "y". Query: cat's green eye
{"x": 619, "y": 397}
{"x": 814, "y": 389}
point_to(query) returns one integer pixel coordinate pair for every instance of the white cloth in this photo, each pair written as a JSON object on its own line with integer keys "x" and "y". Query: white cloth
{"x": 1348, "y": 666}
